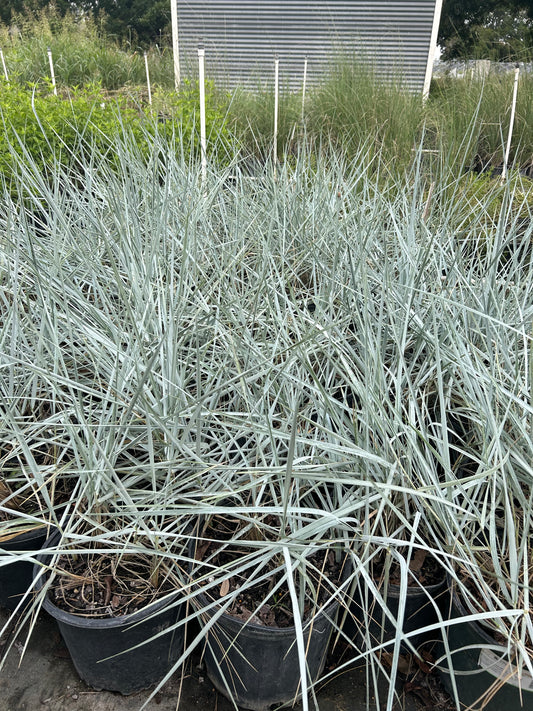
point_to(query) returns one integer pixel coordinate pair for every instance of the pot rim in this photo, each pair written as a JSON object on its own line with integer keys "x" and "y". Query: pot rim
{"x": 416, "y": 590}
{"x": 457, "y": 602}
{"x": 324, "y": 612}
{"x": 26, "y": 535}
{"x": 88, "y": 622}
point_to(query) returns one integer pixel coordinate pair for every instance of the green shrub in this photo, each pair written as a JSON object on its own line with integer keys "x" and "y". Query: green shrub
{"x": 47, "y": 128}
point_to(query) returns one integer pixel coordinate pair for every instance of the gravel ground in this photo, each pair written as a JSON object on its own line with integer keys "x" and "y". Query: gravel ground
{"x": 44, "y": 678}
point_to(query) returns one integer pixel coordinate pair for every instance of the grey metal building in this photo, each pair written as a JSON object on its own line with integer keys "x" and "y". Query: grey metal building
{"x": 241, "y": 37}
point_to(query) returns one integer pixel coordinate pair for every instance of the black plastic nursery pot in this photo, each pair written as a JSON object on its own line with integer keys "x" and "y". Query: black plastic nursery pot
{"x": 257, "y": 666}
{"x": 16, "y": 576}
{"x": 93, "y": 644}
{"x": 368, "y": 624}
{"x": 484, "y": 678}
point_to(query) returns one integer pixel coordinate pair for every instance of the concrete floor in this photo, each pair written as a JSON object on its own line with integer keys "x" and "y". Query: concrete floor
{"x": 45, "y": 679}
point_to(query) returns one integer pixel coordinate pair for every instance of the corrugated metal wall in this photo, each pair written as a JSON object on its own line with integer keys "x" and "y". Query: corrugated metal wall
{"x": 241, "y": 37}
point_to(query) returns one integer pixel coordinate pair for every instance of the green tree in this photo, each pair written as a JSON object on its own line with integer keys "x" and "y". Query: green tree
{"x": 141, "y": 21}
{"x": 492, "y": 29}
{"x": 9, "y": 9}
{"x": 137, "y": 21}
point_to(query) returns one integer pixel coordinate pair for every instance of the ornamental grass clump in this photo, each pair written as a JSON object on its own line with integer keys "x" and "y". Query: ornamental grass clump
{"x": 454, "y": 103}
{"x": 491, "y": 536}
{"x": 306, "y": 357}
{"x": 82, "y": 54}
{"x": 353, "y": 105}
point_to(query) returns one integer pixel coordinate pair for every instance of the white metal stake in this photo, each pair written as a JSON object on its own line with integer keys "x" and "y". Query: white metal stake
{"x": 4, "y": 65}
{"x": 276, "y": 105}
{"x": 201, "y": 82}
{"x": 148, "y": 79}
{"x": 303, "y": 90}
{"x": 511, "y": 123}
{"x": 52, "y": 73}
{"x": 175, "y": 42}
